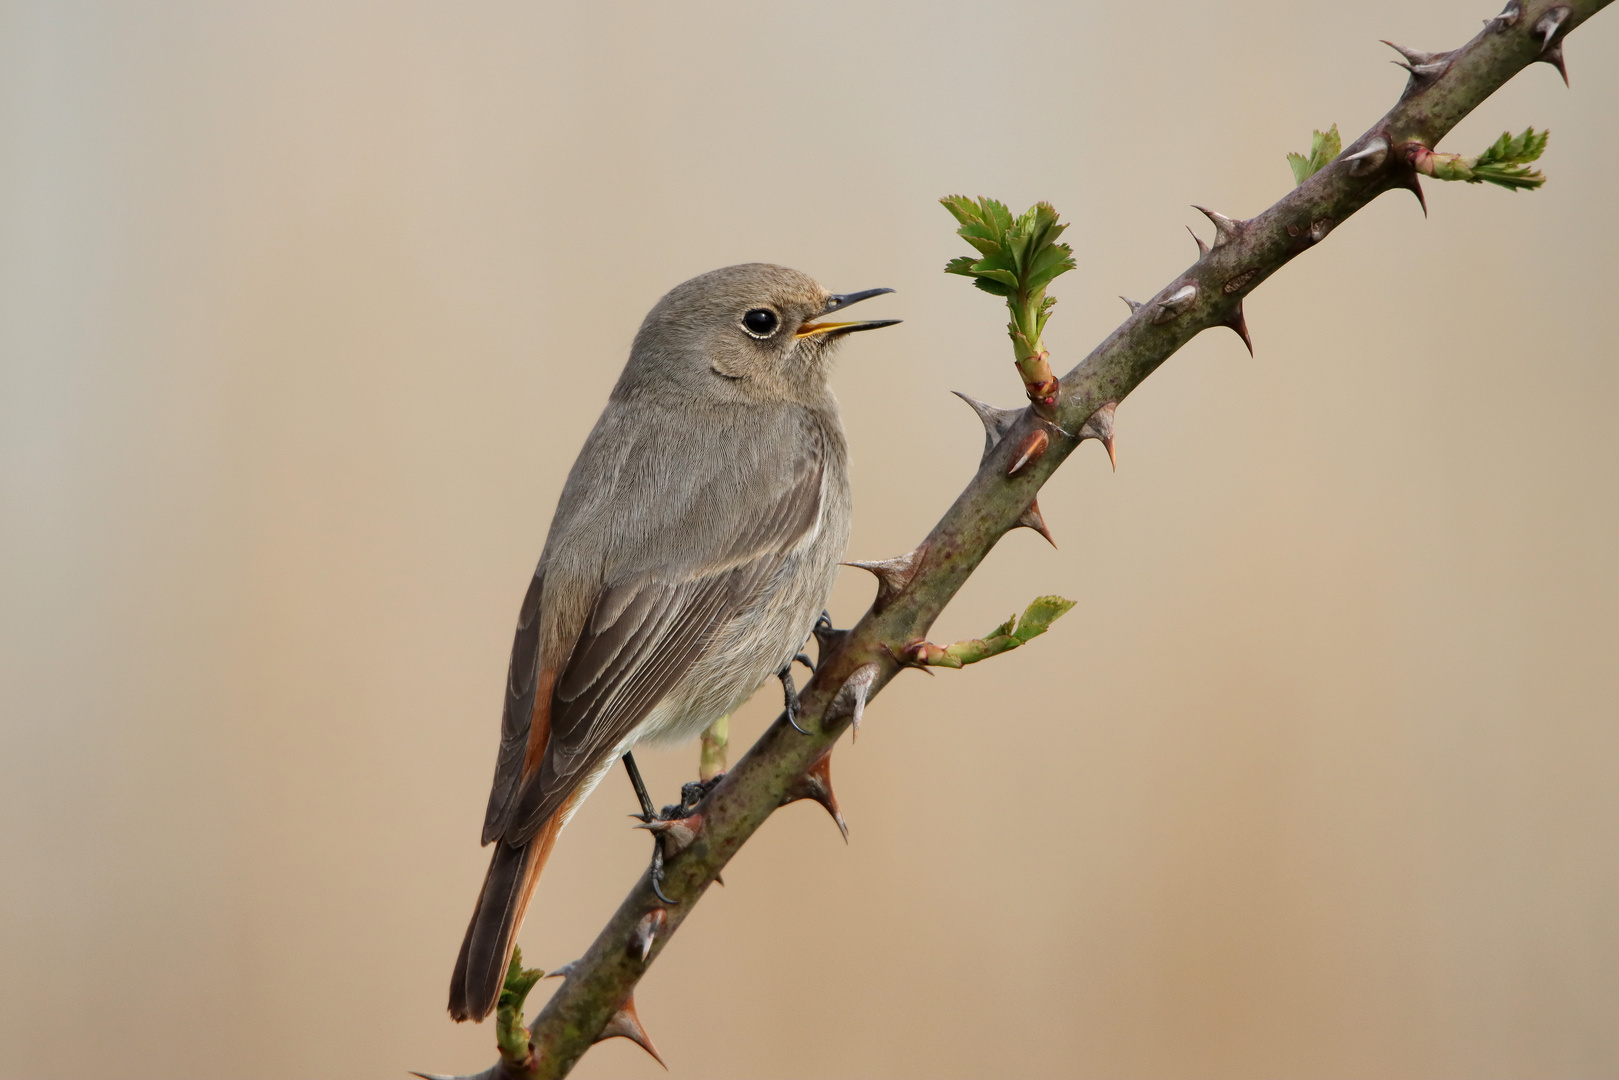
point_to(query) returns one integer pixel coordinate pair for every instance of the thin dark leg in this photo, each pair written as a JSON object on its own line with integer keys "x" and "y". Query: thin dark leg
{"x": 648, "y": 814}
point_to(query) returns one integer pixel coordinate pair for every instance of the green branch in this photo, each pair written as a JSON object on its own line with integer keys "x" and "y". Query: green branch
{"x": 595, "y": 998}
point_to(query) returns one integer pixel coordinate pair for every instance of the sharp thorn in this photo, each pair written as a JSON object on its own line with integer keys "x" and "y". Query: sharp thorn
{"x": 851, "y": 696}
{"x": 997, "y": 422}
{"x": 1225, "y": 228}
{"x": 1413, "y": 183}
{"x": 893, "y": 575}
{"x": 1100, "y": 428}
{"x": 1548, "y": 24}
{"x": 1032, "y": 519}
{"x": 625, "y": 1024}
{"x": 434, "y": 1076}
{"x": 1377, "y": 146}
{"x": 817, "y": 784}
{"x": 720, "y": 881}
{"x": 1202, "y": 248}
{"x": 1509, "y": 16}
{"x": 564, "y": 971}
{"x": 1135, "y": 305}
{"x": 1032, "y": 450}
{"x": 1554, "y": 57}
{"x": 1176, "y": 302}
{"x": 646, "y": 933}
{"x": 1240, "y": 324}
{"x": 676, "y": 834}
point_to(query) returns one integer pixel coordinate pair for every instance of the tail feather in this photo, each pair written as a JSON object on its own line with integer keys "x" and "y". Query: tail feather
{"x": 480, "y": 970}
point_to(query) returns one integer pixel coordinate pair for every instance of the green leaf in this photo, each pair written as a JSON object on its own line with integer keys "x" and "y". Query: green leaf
{"x": 510, "y": 1035}
{"x": 1044, "y": 611}
{"x": 1324, "y": 146}
{"x": 961, "y": 264}
{"x": 1506, "y": 162}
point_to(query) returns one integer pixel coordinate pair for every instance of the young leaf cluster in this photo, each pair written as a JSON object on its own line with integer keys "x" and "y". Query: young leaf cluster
{"x": 1017, "y": 259}
{"x": 1324, "y": 146}
{"x": 510, "y": 1034}
{"x": 1037, "y": 619}
{"x": 1506, "y": 162}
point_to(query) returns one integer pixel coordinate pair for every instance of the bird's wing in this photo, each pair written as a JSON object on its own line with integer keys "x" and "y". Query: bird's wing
{"x": 645, "y": 629}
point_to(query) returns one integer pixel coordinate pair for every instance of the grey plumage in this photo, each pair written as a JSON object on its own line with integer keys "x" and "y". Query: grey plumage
{"x": 695, "y": 542}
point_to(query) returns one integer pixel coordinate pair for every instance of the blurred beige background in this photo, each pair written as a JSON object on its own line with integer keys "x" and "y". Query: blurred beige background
{"x": 305, "y": 309}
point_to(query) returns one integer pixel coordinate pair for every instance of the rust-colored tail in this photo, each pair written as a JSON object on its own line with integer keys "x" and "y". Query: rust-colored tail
{"x": 480, "y": 970}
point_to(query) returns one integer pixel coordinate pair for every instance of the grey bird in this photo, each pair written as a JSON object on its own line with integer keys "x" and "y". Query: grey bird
{"x": 693, "y": 547}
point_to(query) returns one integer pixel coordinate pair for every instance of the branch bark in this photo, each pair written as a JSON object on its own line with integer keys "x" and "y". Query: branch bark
{"x": 595, "y": 998}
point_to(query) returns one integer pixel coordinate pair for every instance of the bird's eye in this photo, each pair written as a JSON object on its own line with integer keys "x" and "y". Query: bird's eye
{"x": 760, "y": 322}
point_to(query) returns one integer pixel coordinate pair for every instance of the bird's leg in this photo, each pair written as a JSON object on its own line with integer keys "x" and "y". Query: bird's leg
{"x": 826, "y": 639}
{"x": 647, "y": 815}
{"x": 789, "y": 692}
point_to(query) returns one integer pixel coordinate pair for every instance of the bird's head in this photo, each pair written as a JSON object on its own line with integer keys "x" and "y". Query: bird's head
{"x": 753, "y": 332}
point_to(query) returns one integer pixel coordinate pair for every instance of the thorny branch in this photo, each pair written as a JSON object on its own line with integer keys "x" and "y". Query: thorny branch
{"x": 1022, "y": 451}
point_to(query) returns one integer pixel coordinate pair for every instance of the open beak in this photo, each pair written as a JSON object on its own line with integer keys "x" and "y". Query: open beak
{"x": 838, "y": 302}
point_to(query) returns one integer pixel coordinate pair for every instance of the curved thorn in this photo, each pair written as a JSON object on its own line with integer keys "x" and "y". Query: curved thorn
{"x": 1100, "y": 427}
{"x": 816, "y": 784}
{"x": 1239, "y": 323}
{"x": 1376, "y": 146}
{"x": 1033, "y": 449}
{"x": 1202, "y": 248}
{"x": 1135, "y": 305}
{"x": 564, "y": 971}
{"x": 893, "y": 575}
{"x": 1033, "y": 519}
{"x": 997, "y": 422}
{"x": 1224, "y": 228}
{"x": 646, "y": 933}
{"x": 625, "y": 1024}
{"x": 1554, "y": 57}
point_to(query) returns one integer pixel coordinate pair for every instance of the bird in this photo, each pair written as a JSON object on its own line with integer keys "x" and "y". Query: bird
{"x": 694, "y": 544}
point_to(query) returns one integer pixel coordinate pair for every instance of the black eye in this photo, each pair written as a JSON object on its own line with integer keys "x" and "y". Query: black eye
{"x": 760, "y": 322}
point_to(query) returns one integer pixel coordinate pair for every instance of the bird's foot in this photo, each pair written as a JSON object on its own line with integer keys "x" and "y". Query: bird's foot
{"x": 789, "y": 692}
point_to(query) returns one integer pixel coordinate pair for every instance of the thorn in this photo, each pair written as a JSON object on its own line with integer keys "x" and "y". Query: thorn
{"x": 1236, "y": 321}
{"x": 1176, "y": 302}
{"x": 564, "y": 971}
{"x": 433, "y": 1076}
{"x": 1202, "y": 248}
{"x": 1421, "y": 65}
{"x": 720, "y": 881}
{"x": 817, "y": 784}
{"x": 1508, "y": 18}
{"x": 646, "y": 932}
{"x": 1135, "y": 305}
{"x": 1032, "y": 450}
{"x": 893, "y": 575}
{"x": 1100, "y": 428}
{"x": 1414, "y": 56}
{"x": 851, "y": 695}
{"x": 1413, "y": 183}
{"x": 625, "y": 1024}
{"x": 1373, "y": 156}
{"x": 1225, "y": 229}
{"x": 1554, "y": 57}
{"x": 675, "y": 835}
{"x": 1032, "y": 519}
{"x": 997, "y": 422}
{"x": 1547, "y": 26}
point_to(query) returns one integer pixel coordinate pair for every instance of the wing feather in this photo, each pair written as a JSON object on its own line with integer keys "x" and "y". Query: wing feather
{"x": 644, "y": 630}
